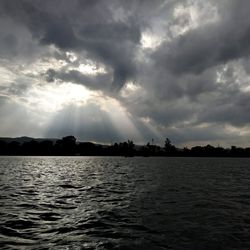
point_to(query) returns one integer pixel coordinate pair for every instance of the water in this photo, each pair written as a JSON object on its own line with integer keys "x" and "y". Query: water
{"x": 124, "y": 203}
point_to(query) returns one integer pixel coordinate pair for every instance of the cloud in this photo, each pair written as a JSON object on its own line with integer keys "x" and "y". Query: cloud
{"x": 175, "y": 68}
{"x": 16, "y": 119}
{"x": 81, "y": 26}
{"x": 94, "y": 82}
{"x": 210, "y": 45}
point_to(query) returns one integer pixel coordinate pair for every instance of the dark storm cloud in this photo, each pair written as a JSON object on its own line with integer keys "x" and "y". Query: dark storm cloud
{"x": 97, "y": 82}
{"x": 210, "y": 45}
{"x": 198, "y": 77}
{"x": 42, "y": 20}
{"x": 89, "y": 27}
{"x": 226, "y": 110}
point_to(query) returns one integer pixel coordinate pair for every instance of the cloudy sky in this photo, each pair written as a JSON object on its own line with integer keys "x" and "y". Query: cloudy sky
{"x": 110, "y": 70}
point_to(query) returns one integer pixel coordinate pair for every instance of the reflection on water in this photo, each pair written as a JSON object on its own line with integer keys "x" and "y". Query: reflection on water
{"x": 124, "y": 203}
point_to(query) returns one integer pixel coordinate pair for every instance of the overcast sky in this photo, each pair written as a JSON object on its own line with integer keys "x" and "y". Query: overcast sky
{"x": 110, "y": 70}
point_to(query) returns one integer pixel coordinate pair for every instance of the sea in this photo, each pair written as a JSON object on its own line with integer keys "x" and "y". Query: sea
{"x": 124, "y": 203}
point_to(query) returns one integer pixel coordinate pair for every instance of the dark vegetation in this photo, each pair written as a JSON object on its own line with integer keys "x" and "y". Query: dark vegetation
{"x": 69, "y": 146}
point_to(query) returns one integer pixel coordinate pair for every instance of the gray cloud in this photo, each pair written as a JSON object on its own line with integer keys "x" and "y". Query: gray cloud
{"x": 190, "y": 86}
{"x": 17, "y": 120}
{"x": 210, "y": 45}
{"x": 86, "y": 27}
{"x": 101, "y": 81}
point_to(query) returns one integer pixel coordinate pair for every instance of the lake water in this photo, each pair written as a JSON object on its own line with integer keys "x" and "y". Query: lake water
{"x": 124, "y": 203}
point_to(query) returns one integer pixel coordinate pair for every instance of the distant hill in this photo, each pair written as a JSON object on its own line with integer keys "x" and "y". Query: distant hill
{"x": 23, "y": 139}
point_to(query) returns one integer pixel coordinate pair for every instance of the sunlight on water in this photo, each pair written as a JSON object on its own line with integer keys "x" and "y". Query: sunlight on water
{"x": 124, "y": 203}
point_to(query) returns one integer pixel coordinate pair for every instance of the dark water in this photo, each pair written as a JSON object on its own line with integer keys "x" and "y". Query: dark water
{"x": 124, "y": 203}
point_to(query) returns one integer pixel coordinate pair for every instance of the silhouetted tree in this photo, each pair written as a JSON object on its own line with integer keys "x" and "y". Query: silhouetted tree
{"x": 167, "y": 143}
{"x": 58, "y": 147}
{"x": 14, "y": 148}
{"x": 169, "y": 148}
{"x": 87, "y": 148}
{"x": 69, "y": 145}
{"x": 46, "y": 148}
{"x": 3, "y": 147}
{"x": 31, "y": 148}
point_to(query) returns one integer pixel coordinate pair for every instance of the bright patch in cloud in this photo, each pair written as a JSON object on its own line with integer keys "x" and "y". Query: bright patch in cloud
{"x": 90, "y": 69}
{"x": 52, "y": 98}
{"x": 193, "y": 15}
{"x": 150, "y": 41}
{"x": 71, "y": 56}
{"x": 130, "y": 89}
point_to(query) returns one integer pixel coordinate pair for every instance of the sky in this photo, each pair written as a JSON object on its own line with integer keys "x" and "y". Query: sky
{"x": 112, "y": 70}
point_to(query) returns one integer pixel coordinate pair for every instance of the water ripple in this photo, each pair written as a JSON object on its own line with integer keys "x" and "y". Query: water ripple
{"x": 124, "y": 203}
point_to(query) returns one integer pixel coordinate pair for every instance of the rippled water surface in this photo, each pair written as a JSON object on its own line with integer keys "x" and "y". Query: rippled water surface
{"x": 124, "y": 203}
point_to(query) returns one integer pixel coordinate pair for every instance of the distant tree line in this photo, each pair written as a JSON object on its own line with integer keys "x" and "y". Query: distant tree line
{"x": 68, "y": 146}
